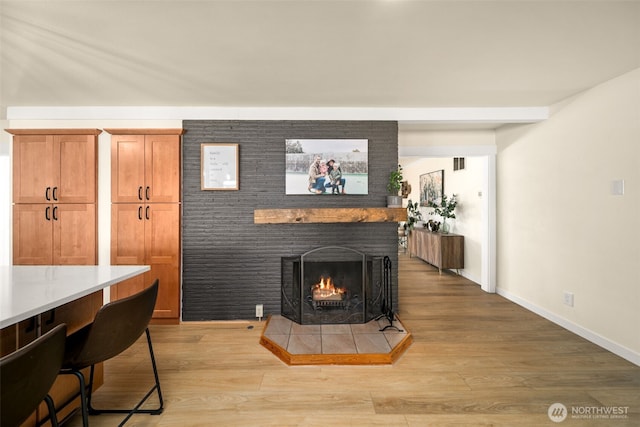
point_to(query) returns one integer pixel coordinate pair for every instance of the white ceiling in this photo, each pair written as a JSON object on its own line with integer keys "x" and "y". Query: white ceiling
{"x": 311, "y": 53}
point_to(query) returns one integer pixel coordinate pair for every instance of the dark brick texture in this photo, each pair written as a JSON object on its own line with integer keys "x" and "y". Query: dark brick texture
{"x": 231, "y": 264}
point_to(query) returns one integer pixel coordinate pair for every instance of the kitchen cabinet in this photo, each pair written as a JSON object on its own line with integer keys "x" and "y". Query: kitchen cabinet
{"x": 54, "y": 196}
{"x": 146, "y": 213}
{"x": 149, "y": 234}
{"x": 54, "y": 166}
{"x": 54, "y": 234}
{"x": 145, "y": 168}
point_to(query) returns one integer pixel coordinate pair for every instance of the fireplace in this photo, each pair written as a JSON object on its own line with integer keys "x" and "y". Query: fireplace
{"x": 332, "y": 285}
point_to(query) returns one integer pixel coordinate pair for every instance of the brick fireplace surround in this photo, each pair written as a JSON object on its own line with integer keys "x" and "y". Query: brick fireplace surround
{"x": 231, "y": 262}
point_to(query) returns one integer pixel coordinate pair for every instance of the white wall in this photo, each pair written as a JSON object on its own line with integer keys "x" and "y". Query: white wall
{"x": 560, "y": 229}
{"x": 5, "y": 195}
{"x": 446, "y": 137}
{"x": 470, "y": 217}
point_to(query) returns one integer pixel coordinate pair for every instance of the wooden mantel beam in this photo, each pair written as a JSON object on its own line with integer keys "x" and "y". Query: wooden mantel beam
{"x": 328, "y": 215}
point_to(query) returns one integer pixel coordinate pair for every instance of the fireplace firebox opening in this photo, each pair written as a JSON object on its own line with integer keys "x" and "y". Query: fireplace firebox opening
{"x": 332, "y": 285}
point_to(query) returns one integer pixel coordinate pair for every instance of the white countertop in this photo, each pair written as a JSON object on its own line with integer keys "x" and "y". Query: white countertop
{"x": 29, "y": 290}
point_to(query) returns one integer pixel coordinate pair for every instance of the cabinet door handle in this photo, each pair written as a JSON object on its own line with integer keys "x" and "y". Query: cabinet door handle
{"x": 146, "y": 192}
{"x": 140, "y": 193}
{"x": 55, "y": 193}
{"x": 140, "y": 213}
{"x": 46, "y": 213}
{"x": 146, "y": 214}
{"x": 55, "y": 213}
{"x": 46, "y": 193}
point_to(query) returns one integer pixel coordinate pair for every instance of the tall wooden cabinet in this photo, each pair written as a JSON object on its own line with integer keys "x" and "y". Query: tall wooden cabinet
{"x": 55, "y": 223}
{"x": 145, "y": 213}
{"x": 54, "y": 196}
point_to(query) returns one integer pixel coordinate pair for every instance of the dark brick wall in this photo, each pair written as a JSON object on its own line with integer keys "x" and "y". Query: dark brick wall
{"x": 231, "y": 264}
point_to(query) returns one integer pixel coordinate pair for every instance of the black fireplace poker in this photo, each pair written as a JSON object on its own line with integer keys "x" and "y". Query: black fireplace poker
{"x": 387, "y": 299}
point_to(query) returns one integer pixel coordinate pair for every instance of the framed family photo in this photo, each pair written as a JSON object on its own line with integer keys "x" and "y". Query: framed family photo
{"x": 327, "y": 166}
{"x": 431, "y": 187}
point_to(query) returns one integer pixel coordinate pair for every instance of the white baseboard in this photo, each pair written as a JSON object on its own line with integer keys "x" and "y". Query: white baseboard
{"x": 591, "y": 336}
{"x": 469, "y": 277}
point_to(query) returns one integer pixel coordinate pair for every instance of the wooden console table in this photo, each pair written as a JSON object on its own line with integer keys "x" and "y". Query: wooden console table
{"x": 438, "y": 249}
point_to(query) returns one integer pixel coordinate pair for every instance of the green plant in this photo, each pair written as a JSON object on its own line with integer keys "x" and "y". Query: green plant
{"x": 395, "y": 181}
{"x": 446, "y": 207}
{"x": 413, "y": 214}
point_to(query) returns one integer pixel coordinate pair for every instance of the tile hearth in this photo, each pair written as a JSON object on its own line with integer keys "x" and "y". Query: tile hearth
{"x": 352, "y": 344}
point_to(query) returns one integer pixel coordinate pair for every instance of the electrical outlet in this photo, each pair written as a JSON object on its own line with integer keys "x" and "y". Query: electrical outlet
{"x": 259, "y": 311}
{"x": 568, "y": 299}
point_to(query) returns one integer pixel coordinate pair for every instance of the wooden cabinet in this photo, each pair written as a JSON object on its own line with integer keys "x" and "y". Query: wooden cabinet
{"x": 54, "y": 196}
{"x": 15, "y": 336}
{"x": 148, "y": 234}
{"x": 438, "y": 249}
{"x": 54, "y": 234}
{"x": 54, "y": 168}
{"x": 145, "y": 213}
{"x": 145, "y": 168}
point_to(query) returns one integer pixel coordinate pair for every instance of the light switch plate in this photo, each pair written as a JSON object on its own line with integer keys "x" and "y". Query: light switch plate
{"x": 617, "y": 187}
{"x": 568, "y": 299}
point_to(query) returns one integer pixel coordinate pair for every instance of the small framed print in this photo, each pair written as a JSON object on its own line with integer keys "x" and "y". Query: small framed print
{"x": 219, "y": 166}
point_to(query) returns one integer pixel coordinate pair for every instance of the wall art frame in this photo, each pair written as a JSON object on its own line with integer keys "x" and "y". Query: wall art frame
{"x": 219, "y": 166}
{"x": 326, "y": 166}
{"x": 431, "y": 187}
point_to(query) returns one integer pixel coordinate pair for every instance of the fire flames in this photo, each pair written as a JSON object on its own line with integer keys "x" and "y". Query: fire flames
{"x": 326, "y": 290}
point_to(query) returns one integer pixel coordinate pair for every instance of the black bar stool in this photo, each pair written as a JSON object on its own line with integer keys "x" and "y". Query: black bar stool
{"x": 26, "y": 376}
{"x": 116, "y": 326}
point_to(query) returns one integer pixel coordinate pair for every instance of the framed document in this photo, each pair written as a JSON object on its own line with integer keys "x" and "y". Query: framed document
{"x": 219, "y": 166}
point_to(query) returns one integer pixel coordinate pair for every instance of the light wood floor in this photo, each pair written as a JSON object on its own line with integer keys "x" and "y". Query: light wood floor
{"x": 477, "y": 359}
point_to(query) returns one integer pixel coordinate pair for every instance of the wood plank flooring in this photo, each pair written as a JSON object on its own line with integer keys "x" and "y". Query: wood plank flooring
{"x": 477, "y": 359}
